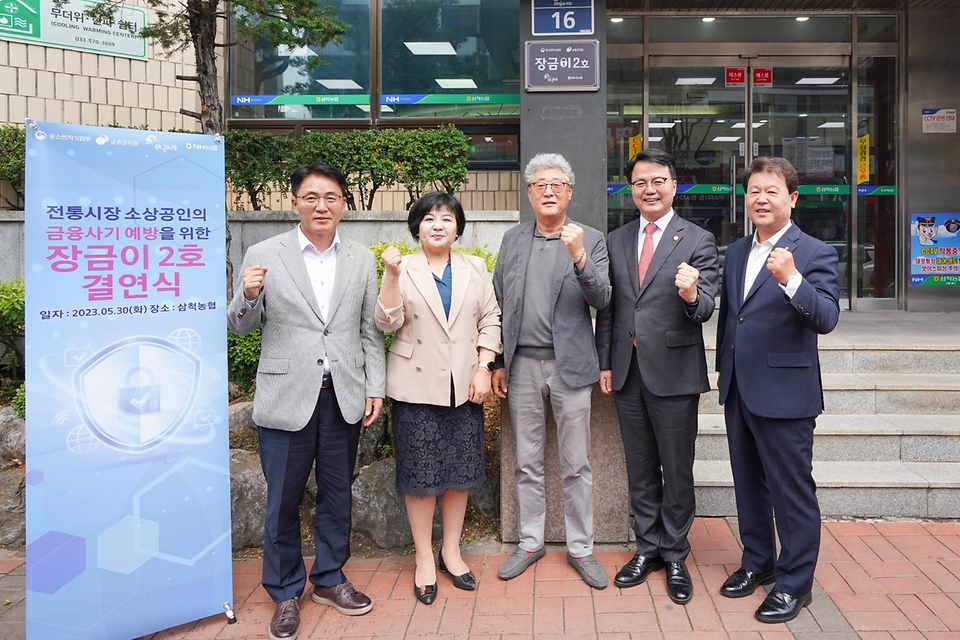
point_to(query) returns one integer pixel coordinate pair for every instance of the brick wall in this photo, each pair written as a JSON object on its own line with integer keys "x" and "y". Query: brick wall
{"x": 59, "y": 85}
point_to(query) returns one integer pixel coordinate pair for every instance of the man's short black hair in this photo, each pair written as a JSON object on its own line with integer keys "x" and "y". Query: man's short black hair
{"x": 776, "y": 166}
{"x": 427, "y": 203}
{"x": 656, "y": 156}
{"x": 317, "y": 169}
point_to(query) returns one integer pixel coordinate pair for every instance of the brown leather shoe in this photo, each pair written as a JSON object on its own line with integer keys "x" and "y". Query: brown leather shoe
{"x": 285, "y": 624}
{"x": 344, "y": 598}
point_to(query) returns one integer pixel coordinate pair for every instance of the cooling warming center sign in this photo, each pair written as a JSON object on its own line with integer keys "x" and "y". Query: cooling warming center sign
{"x": 128, "y": 470}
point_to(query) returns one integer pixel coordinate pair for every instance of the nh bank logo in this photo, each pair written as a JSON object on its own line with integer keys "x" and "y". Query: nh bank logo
{"x": 20, "y": 17}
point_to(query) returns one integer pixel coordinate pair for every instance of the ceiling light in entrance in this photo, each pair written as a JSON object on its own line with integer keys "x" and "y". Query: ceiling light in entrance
{"x": 726, "y": 138}
{"x": 616, "y": 20}
{"x": 655, "y": 138}
{"x": 802, "y": 18}
{"x": 817, "y": 80}
{"x": 431, "y": 48}
{"x": 456, "y": 83}
{"x": 832, "y": 125}
{"x": 331, "y": 83}
{"x": 662, "y": 125}
{"x": 708, "y": 19}
{"x": 743, "y": 125}
{"x": 703, "y": 81}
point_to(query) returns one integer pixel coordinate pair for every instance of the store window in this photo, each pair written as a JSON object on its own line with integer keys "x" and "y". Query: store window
{"x": 279, "y": 82}
{"x": 454, "y": 59}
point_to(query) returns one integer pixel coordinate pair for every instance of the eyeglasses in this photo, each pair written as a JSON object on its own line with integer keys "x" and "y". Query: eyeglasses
{"x": 642, "y": 184}
{"x": 312, "y": 199}
{"x": 541, "y": 187}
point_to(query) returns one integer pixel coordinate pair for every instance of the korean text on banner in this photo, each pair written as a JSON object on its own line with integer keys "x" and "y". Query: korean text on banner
{"x": 863, "y": 159}
{"x": 128, "y": 470}
{"x": 934, "y": 249}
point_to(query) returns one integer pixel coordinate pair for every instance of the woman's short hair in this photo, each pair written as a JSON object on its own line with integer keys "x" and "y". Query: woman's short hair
{"x": 427, "y": 203}
{"x": 548, "y": 161}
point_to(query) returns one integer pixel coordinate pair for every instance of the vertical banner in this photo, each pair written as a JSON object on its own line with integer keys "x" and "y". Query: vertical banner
{"x": 128, "y": 470}
{"x": 863, "y": 159}
{"x": 934, "y": 249}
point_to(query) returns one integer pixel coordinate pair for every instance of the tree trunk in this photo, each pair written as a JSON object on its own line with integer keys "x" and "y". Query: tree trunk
{"x": 203, "y": 31}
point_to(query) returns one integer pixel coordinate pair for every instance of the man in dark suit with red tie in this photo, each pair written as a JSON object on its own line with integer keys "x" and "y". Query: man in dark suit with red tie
{"x": 780, "y": 290}
{"x": 650, "y": 342}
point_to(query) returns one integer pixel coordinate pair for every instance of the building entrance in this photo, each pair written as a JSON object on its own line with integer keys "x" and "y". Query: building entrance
{"x": 715, "y": 106}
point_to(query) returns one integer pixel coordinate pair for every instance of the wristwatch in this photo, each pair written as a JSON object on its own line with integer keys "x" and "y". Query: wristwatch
{"x": 488, "y": 365}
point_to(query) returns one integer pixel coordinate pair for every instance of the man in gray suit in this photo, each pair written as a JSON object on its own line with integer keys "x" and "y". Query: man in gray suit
{"x": 321, "y": 373}
{"x": 650, "y": 340}
{"x": 549, "y": 273}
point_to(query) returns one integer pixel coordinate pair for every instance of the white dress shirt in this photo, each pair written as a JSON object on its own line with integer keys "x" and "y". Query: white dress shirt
{"x": 759, "y": 252}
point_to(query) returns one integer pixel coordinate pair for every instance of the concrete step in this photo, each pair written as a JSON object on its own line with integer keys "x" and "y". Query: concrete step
{"x": 845, "y": 358}
{"x": 872, "y": 393}
{"x": 859, "y": 437}
{"x": 867, "y": 489}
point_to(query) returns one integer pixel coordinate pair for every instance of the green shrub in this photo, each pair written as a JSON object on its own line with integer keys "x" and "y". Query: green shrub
{"x": 19, "y": 401}
{"x": 243, "y": 356}
{"x": 13, "y": 142}
{"x": 255, "y": 164}
{"x": 11, "y": 327}
{"x": 336, "y": 149}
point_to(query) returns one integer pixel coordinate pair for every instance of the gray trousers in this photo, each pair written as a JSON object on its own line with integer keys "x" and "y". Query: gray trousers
{"x": 532, "y": 383}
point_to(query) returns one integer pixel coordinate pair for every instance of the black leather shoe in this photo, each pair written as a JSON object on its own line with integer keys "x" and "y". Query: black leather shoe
{"x": 781, "y": 607}
{"x": 679, "y": 584}
{"x": 637, "y": 570}
{"x": 467, "y": 581}
{"x": 285, "y": 624}
{"x": 742, "y": 583}
{"x": 426, "y": 595}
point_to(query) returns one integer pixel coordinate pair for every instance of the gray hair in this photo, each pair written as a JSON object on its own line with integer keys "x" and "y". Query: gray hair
{"x": 548, "y": 161}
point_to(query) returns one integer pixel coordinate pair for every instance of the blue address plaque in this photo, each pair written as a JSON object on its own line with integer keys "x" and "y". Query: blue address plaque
{"x": 562, "y": 17}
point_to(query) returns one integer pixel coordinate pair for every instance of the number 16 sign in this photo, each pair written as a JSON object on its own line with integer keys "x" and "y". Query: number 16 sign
{"x": 562, "y": 17}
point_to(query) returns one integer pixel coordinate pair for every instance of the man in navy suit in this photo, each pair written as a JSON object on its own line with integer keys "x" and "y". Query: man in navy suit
{"x": 780, "y": 290}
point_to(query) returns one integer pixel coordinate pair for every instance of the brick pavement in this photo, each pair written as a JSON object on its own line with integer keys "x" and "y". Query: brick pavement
{"x": 875, "y": 581}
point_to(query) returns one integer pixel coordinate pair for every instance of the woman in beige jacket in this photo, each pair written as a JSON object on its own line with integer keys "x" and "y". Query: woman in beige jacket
{"x": 442, "y": 305}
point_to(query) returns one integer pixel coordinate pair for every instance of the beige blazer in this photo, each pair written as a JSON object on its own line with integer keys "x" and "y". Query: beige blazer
{"x": 428, "y": 347}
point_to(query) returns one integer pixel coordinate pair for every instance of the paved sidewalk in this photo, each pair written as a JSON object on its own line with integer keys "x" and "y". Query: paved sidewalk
{"x": 884, "y": 580}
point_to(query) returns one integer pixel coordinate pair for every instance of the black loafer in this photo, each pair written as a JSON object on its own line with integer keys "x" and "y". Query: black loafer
{"x": 679, "y": 584}
{"x": 637, "y": 570}
{"x": 742, "y": 583}
{"x": 781, "y": 607}
{"x": 467, "y": 581}
{"x": 427, "y": 595}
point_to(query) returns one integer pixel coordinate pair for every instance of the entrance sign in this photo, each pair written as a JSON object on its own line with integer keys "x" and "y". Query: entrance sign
{"x": 67, "y": 27}
{"x": 934, "y": 249}
{"x": 563, "y": 65}
{"x": 939, "y": 121}
{"x": 735, "y": 76}
{"x": 128, "y": 470}
{"x": 562, "y": 17}
{"x": 762, "y": 76}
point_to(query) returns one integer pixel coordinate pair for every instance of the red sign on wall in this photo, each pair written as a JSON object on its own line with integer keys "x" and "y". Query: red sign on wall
{"x": 762, "y": 76}
{"x": 736, "y": 76}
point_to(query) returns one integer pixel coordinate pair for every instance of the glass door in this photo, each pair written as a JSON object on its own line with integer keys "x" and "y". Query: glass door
{"x": 715, "y": 115}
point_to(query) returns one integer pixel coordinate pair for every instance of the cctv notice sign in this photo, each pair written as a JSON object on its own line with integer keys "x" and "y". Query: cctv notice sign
{"x": 67, "y": 27}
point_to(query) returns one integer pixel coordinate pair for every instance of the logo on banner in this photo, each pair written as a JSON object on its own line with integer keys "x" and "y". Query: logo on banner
{"x": 135, "y": 393}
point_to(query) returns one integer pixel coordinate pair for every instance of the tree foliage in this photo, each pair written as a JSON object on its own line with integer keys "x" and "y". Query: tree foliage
{"x": 12, "y": 160}
{"x": 12, "y": 320}
{"x": 255, "y": 164}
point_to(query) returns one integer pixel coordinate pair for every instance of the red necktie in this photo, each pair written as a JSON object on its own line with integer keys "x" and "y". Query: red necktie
{"x": 646, "y": 252}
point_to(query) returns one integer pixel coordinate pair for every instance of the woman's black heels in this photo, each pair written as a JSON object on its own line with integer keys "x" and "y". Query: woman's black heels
{"x": 466, "y": 582}
{"x": 426, "y": 595}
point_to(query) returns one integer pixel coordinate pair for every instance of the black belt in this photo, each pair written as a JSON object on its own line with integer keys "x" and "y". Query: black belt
{"x": 326, "y": 382}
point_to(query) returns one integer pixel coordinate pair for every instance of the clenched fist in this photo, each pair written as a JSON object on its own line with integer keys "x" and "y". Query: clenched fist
{"x": 686, "y": 281}
{"x": 253, "y": 278}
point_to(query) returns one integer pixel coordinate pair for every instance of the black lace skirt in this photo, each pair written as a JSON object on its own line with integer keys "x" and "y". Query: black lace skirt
{"x": 438, "y": 448}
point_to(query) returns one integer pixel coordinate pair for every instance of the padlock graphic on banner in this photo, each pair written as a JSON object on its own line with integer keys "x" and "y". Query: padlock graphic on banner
{"x": 76, "y": 352}
{"x": 139, "y": 399}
